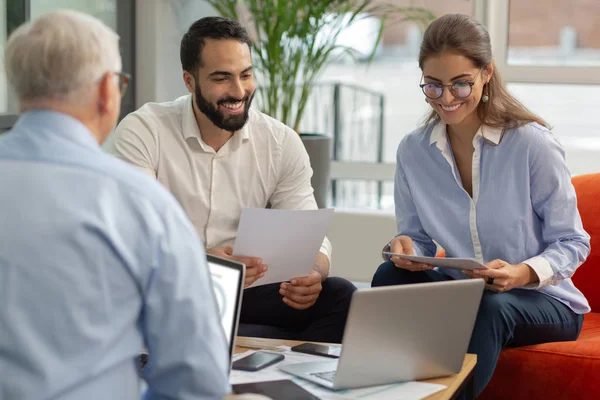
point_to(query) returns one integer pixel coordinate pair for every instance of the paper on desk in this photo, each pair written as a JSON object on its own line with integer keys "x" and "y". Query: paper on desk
{"x": 397, "y": 391}
{"x": 454, "y": 263}
{"x": 288, "y": 241}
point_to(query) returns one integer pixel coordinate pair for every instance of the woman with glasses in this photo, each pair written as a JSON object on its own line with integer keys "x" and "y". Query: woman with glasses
{"x": 486, "y": 179}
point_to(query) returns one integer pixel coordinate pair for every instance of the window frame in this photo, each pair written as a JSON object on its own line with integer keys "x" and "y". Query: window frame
{"x": 495, "y": 15}
{"x": 7, "y": 120}
{"x": 126, "y": 27}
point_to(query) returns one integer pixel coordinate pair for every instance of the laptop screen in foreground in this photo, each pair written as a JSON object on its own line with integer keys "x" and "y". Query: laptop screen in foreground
{"x": 226, "y": 284}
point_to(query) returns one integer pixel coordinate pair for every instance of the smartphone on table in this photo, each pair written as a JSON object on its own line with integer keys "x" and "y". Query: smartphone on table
{"x": 318, "y": 350}
{"x": 257, "y": 361}
{"x": 283, "y": 389}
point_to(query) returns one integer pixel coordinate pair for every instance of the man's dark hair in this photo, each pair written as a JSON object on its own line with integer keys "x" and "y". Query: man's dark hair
{"x": 194, "y": 39}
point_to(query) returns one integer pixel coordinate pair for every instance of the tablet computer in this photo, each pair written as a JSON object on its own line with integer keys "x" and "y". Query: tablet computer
{"x": 454, "y": 263}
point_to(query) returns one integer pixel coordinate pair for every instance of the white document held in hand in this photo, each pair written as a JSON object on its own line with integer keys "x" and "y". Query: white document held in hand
{"x": 288, "y": 241}
{"x": 454, "y": 263}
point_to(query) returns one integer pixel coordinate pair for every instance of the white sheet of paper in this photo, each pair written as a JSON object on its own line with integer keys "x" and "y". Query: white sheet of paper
{"x": 288, "y": 241}
{"x": 454, "y": 263}
{"x": 404, "y": 390}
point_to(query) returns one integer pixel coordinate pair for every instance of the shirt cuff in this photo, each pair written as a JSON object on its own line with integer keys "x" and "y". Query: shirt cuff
{"x": 417, "y": 250}
{"x": 326, "y": 249}
{"x": 544, "y": 271}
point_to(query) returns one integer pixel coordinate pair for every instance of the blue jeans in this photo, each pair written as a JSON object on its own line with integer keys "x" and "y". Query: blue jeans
{"x": 515, "y": 318}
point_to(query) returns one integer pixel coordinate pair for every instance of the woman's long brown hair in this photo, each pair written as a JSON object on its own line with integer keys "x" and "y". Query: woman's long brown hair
{"x": 461, "y": 34}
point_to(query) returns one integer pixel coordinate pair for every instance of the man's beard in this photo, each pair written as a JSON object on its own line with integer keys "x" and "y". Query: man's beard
{"x": 233, "y": 123}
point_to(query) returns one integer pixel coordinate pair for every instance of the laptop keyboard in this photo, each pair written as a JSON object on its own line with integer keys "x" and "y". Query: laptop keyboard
{"x": 328, "y": 376}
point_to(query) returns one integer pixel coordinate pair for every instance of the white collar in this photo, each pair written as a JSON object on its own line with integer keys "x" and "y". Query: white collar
{"x": 190, "y": 126}
{"x": 490, "y": 134}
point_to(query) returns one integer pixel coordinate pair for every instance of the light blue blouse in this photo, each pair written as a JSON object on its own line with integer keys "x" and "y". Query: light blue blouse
{"x": 523, "y": 209}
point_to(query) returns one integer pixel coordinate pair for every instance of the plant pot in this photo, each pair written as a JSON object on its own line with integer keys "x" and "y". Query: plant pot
{"x": 318, "y": 148}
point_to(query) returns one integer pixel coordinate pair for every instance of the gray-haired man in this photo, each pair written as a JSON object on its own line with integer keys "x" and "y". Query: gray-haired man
{"x": 96, "y": 259}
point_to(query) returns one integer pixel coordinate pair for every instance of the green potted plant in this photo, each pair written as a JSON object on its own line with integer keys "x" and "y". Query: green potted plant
{"x": 293, "y": 40}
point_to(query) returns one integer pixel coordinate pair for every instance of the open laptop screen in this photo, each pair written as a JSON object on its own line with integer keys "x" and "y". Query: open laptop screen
{"x": 228, "y": 279}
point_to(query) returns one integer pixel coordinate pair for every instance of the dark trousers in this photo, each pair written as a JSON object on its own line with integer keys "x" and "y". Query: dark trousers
{"x": 515, "y": 318}
{"x": 323, "y": 322}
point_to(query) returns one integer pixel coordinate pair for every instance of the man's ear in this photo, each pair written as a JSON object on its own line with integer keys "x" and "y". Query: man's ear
{"x": 190, "y": 81}
{"x": 106, "y": 93}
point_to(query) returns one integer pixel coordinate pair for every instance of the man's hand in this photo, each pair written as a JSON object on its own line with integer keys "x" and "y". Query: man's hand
{"x": 404, "y": 245}
{"x": 302, "y": 292}
{"x": 505, "y": 276}
{"x": 255, "y": 269}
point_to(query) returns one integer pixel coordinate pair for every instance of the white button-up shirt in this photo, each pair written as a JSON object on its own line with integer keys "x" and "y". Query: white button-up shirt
{"x": 265, "y": 162}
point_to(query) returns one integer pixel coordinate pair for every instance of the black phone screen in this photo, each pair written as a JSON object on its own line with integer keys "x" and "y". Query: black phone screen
{"x": 318, "y": 350}
{"x": 284, "y": 389}
{"x": 257, "y": 361}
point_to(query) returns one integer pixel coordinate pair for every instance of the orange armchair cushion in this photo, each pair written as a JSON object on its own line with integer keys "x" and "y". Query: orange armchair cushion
{"x": 561, "y": 370}
{"x": 587, "y": 277}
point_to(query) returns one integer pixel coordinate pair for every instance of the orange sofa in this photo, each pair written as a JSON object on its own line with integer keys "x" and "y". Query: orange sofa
{"x": 562, "y": 370}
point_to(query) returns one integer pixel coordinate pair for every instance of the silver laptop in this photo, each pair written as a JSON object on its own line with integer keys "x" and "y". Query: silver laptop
{"x": 401, "y": 333}
{"x": 228, "y": 284}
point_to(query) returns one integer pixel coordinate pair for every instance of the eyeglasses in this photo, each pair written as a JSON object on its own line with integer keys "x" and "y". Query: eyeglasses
{"x": 459, "y": 89}
{"x": 124, "y": 79}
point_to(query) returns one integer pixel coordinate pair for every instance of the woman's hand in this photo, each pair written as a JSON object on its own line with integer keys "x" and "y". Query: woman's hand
{"x": 404, "y": 245}
{"x": 502, "y": 276}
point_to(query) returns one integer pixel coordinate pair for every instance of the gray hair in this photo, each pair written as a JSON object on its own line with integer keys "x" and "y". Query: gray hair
{"x": 59, "y": 55}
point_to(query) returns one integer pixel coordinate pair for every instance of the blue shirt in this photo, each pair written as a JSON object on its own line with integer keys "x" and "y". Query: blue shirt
{"x": 96, "y": 260}
{"x": 523, "y": 208}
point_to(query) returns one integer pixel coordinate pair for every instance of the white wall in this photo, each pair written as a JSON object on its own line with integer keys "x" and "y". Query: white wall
{"x": 159, "y": 28}
{"x": 357, "y": 238}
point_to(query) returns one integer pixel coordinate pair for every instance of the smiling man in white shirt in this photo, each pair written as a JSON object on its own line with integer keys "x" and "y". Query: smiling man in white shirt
{"x": 218, "y": 156}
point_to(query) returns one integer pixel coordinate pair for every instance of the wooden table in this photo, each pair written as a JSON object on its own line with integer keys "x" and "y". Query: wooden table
{"x": 454, "y": 383}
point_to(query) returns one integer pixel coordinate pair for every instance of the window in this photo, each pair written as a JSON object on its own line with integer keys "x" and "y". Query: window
{"x": 117, "y": 14}
{"x": 104, "y": 10}
{"x": 551, "y": 61}
{"x": 12, "y": 14}
{"x": 566, "y": 33}
{"x": 538, "y": 42}
{"x": 548, "y": 54}
{"x": 394, "y": 74}
{"x": 571, "y": 110}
